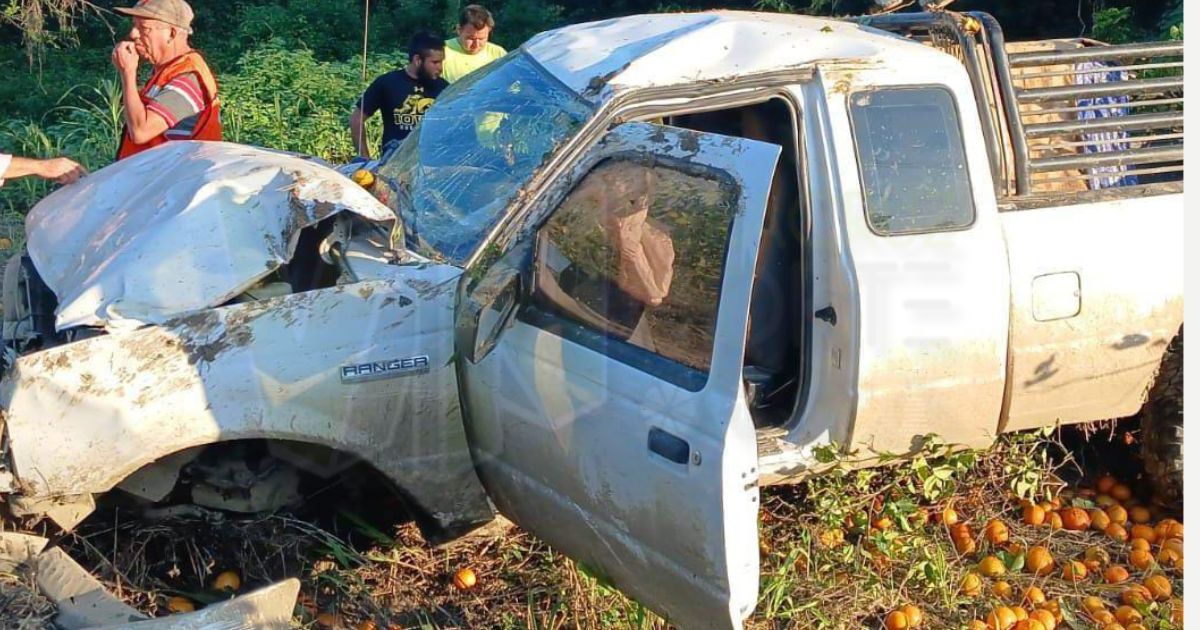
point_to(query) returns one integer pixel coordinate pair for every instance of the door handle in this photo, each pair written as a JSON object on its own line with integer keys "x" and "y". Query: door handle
{"x": 670, "y": 447}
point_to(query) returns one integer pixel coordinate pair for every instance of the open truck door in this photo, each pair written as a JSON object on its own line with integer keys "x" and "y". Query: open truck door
{"x": 601, "y": 369}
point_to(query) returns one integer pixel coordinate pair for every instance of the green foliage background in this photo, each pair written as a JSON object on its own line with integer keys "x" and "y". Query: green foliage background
{"x": 291, "y": 69}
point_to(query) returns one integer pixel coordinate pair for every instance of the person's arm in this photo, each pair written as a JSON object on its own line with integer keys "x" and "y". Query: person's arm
{"x": 141, "y": 123}
{"x": 61, "y": 170}
{"x": 358, "y": 132}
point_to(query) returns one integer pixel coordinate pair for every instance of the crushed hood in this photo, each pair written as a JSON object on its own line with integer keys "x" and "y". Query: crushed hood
{"x": 184, "y": 226}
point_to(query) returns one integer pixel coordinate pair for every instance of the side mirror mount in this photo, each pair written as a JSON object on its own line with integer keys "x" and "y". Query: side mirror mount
{"x": 486, "y": 311}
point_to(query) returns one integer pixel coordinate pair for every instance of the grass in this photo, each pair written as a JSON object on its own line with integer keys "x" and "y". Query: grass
{"x": 838, "y": 551}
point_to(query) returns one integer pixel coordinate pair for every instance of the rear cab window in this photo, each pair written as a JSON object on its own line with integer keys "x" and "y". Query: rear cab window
{"x": 912, "y": 160}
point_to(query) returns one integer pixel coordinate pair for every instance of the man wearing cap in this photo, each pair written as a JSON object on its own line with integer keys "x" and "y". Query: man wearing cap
{"x": 471, "y": 50}
{"x": 179, "y": 102}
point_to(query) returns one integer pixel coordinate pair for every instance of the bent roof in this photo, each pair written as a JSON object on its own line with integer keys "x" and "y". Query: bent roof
{"x": 664, "y": 49}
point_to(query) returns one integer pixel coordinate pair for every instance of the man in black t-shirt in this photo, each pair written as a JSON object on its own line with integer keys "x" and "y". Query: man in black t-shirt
{"x": 401, "y": 95}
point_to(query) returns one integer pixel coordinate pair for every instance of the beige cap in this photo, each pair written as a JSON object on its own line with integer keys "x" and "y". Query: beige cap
{"x": 174, "y": 12}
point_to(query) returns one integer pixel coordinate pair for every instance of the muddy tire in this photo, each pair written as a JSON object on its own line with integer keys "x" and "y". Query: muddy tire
{"x": 1162, "y": 429}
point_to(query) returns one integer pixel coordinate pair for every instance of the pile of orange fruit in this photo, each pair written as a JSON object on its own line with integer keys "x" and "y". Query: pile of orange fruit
{"x": 1150, "y": 553}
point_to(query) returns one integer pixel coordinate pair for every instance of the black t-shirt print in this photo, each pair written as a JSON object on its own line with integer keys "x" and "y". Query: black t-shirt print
{"x": 402, "y": 101}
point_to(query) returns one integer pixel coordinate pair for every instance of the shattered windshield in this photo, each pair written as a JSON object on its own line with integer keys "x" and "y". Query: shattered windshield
{"x": 475, "y": 148}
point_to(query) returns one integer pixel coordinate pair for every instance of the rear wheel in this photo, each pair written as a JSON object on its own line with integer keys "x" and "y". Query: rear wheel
{"x": 1162, "y": 429}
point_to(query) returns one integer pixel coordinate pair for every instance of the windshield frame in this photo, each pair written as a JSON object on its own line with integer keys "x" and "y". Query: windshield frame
{"x": 409, "y": 157}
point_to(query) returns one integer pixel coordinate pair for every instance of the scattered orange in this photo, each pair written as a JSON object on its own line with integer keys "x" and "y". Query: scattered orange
{"x": 366, "y": 624}
{"x": 965, "y": 546}
{"x": 1170, "y": 558}
{"x": 1093, "y": 604}
{"x": 996, "y": 532}
{"x": 1115, "y": 574}
{"x": 1158, "y": 586}
{"x": 1143, "y": 531}
{"x": 1039, "y": 561}
{"x": 1074, "y": 571}
{"x": 180, "y": 605}
{"x": 1177, "y": 611}
{"x": 1140, "y": 543}
{"x": 1002, "y": 589}
{"x": 1169, "y": 528}
{"x": 1103, "y": 618}
{"x": 1116, "y": 532}
{"x": 1029, "y": 624}
{"x": 1105, "y": 501}
{"x": 883, "y": 523}
{"x": 1075, "y": 519}
{"x": 913, "y": 614}
{"x": 1127, "y": 614}
{"x": 1097, "y": 554}
{"x": 227, "y": 581}
{"x": 1121, "y": 492}
{"x": 1033, "y": 596}
{"x": 971, "y": 584}
{"x": 1001, "y": 618}
{"x": 1117, "y": 514}
{"x": 992, "y": 567}
{"x": 1054, "y": 520}
{"x": 1105, "y": 484}
{"x": 1136, "y": 594}
{"x": 949, "y": 517}
{"x": 895, "y": 621}
{"x": 977, "y": 625}
{"x": 1019, "y": 613}
{"x": 832, "y": 537}
{"x": 1140, "y": 558}
{"x": 1045, "y": 617}
{"x": 1100, "y": 519}
{"x": 1139, "y": 514}
{"x": 1033, "y": 514}
{"x": 464, "y": 578}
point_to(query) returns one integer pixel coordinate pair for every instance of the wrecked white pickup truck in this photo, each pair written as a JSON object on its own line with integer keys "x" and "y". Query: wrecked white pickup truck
{"x": 624, "y": 277}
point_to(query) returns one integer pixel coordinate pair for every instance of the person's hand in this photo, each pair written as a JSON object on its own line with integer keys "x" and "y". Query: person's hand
{"x": 61, "y": 170}
{"x": 125, "y": 57}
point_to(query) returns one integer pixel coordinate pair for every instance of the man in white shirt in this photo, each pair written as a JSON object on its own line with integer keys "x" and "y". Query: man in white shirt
{"x": 61, "y": 170}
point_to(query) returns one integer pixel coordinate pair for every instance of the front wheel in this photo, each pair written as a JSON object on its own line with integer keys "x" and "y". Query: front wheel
{"x": 1162, "y": 429}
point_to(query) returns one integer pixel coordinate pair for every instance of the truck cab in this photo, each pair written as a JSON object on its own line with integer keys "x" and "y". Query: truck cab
{"x": 659, "y": 261}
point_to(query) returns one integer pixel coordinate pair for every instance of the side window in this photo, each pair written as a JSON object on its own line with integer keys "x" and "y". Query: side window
{"x": 914, "y": 165}
{"x": 636, "y": 253}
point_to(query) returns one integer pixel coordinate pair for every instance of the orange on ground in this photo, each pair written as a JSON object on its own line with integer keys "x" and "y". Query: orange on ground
{"x": 895, "y": 621}
{"x": 1002, "y": 589}
{"x": 971, "y": 584}
{"x": 180, "y": 605}
{"x": 1177, "y": 611}
{"x": 464, "y": 578}
{"x": 964, "y": 546}
{"x": 1168, "y": 557}
{"x": 1097, "y": 554}
{"x": 1116, "y": 532}
{"x": 913, "y": 614}
{"x": 1020, "y": 613}
{"x": 1127, "y": 614}
{"x": 1033, "y": 596}
{"x": 1001, "y": 618}
{"x": 1075, "y": 519}
{"x": 1140, "y": 558}
{"x": 1054, "y": 520}
{"x": 949, "y": 517}
{"x": 1121, "y": 492}
{"x": 996, "y": 532}
{"x": 1139, "y": 514}
{"x": 977, "y": 625}
{"x": 1158, "y": 586}
{"x": 1169, "y": 528}
{"x": 1103, "y": 618}
{"x": 366, "y": 624}
{"x": 1140, "y": 543}
{"x": 1044, "y": 616}
{"x": 1039, "y": 561}
{"x": 1105, "y": 484}
{"x": 1029, "y": 624}
{"x": 1093, "y": 604}
{"x": 227, "y": 581}
{"x": 1136, "y": 594}
{"x": 1100, "y": 519}
{"x": 883, "y": 523}
{"x": 1033, "y": 514}
{"x": 1105, "y": 501}
{"x": 1117, "y": 514}
{"x": 1074, "y": 571}
{"x": 992, "y": 567}
{"x": 1141, "y": 530}
{"x": 1115, "y": 574}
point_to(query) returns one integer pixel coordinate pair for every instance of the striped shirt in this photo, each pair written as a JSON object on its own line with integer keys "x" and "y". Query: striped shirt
{"x": 180, "y": 103}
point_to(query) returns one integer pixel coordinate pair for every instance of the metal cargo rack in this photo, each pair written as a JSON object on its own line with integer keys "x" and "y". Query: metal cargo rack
{"x": 1074, "y": 117}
